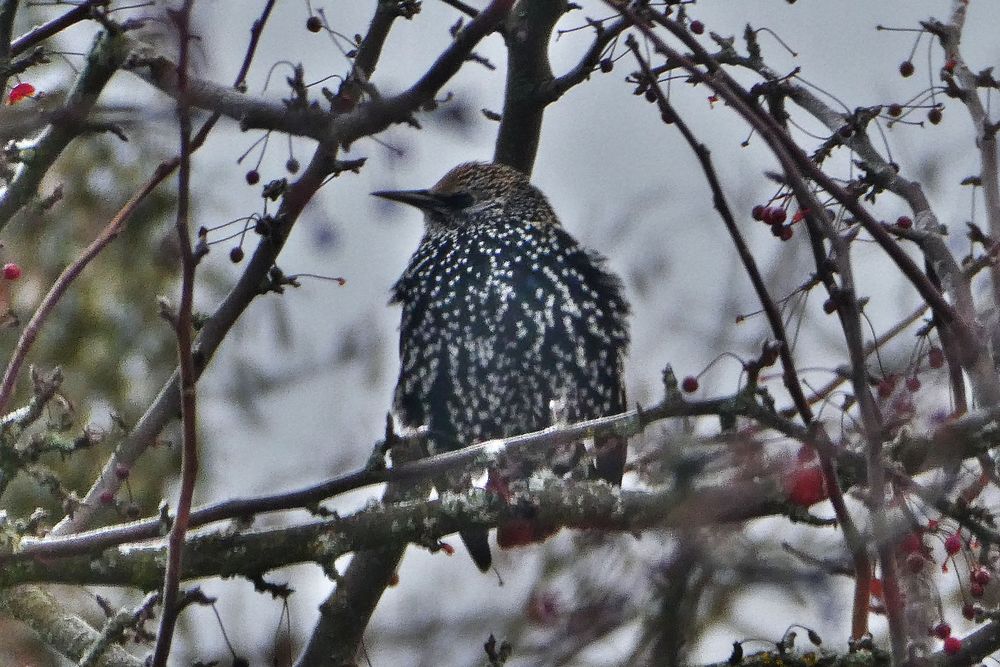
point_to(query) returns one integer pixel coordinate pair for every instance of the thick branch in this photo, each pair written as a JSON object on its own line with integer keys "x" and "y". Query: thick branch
{"x": 483, "y": 455}
{"x": 68, "y": 634}
{"x": 529, "y": 30}
{"x": 584, "y": 505}
{"x": 336, "y": 129}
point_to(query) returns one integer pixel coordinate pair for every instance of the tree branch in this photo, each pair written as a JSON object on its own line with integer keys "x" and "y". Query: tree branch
{"x": 529, "y": 30}
{"x": 66, "y": 633}
{"x": 104, "y": 58}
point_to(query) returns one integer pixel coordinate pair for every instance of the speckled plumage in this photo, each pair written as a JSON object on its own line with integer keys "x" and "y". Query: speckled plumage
{"x": 504, "y": 316}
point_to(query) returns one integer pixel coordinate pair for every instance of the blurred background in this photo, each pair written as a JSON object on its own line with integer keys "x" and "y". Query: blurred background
{"x": 299, "y": 391}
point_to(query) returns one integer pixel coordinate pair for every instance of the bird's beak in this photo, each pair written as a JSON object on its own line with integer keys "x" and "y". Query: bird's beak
{"x": 422, "y": 199}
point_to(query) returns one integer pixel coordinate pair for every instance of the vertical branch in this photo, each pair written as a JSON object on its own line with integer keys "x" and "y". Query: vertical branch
{"x": 529, "y": 29}
{"x": 965, "y": 84}
{"x": 345, "y": 614}
{"x": 167, "y": 402}
{"x": 184, "y": 330}
{"x": 8, "y": 9}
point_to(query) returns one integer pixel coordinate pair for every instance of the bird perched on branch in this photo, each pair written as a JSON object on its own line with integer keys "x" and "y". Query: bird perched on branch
{"x": 508, "y": 324}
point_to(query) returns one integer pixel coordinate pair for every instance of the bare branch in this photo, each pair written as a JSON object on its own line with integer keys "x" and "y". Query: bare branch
{"x": 529, "y": 30}
{"x": 104, "y": 58}
{"x": 66, "y": 633}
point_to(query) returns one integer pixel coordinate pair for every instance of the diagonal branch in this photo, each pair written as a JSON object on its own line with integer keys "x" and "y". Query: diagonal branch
{"x": 104, "y": 58}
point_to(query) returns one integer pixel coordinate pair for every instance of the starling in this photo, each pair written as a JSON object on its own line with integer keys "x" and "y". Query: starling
{"x": 506, "y": 322}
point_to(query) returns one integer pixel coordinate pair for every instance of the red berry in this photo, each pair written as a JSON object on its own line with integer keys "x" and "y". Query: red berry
{"x": 934, "y": 116}
{"x": 942, "y": 630}
{"x": 607, "y": 64}
{"x": 689, "y": 384}
{"x": 697, "y": 27}
{"x": 935, "y": 357}
{"x": 829, "y": 306}
{"x": 915, "y": 562}
{"x": 895, "y": 110}
{"x": 236, "y": 255}
{"x": 253, "y": 177}
{"x": 887, "y": 385}
{"x": 904, "y": 222}
{"x": 785, "y": 233}
{"x": 952, "y": 645}
{"x": 447, "y": 548}
{"x": 976, "y": 590}
{"x": 805, "y": 486}
{"x": 292, "y": 165}
{"x": 11, "y": 271}
{"x": 913, "y": 384}
{"x": 953, "y": 544}
{"x": 107, "y": 497}
{"x": 20, "y": 92}
{"x": 394, "y": 579}
{"x": 313, "y": 24}
{"x": 778, "y": 216}
{"x": 906, "y": 68}
{"x": 949, "y": 66}
{"x": 980, "y": 576}
{"x": 121, "y": 471}
{"x": 969, "y": 611}
{"x": 757, "y": 212}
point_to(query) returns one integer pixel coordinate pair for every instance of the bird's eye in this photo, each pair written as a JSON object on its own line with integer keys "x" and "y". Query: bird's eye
{"x": 457, "y": 200}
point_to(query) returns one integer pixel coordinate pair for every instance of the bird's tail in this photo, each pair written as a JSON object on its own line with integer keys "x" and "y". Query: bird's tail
{"x": 477, "y": 542}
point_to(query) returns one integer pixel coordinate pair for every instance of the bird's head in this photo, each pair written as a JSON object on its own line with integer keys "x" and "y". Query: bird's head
{"x": 474, "y": 193}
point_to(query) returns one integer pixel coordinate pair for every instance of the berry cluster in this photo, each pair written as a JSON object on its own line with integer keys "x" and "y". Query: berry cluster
{"x": 915, "y": 553}
{"x": 775, "y": 216}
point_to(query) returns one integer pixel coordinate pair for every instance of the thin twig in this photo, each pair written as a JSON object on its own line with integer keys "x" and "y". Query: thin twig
{"x": 163, "y": 408}
{"x": 964, "y": 80}
{"x": 30, "y": 332}
{"x": 40, "y": 33}
{"x": 852, "y": 535}
{"x": 188, "y": 377}
{"x": 557, "y": 87}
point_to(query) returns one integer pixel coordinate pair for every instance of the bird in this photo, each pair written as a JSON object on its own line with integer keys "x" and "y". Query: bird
{"x": 508, "y": 323}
